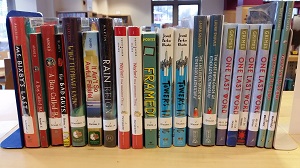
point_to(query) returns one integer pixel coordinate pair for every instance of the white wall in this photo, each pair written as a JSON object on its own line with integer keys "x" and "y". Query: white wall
{"x": 69, "y": 5}
{"x": 26, "y": 5}
{"x": 209, "y": 7}
{"x": 102, "y": 6}
{"x": 46, "y": 7}
{"x": 140, "y": 10}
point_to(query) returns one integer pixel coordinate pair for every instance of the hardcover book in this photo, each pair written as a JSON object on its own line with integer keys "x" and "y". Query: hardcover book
{"x": 228, "y": 47}
{"x": 197, "y": 80}
{"x": 136, "y": 87}
{"x": 92, "y": 86}
{"x": 237, "y": 83}
{"x": 212, "y": 79}
{"x": 277, "y": 27}
{"x": 149, "y": 49}
{"x": 123, "y": 91}
{"x": 181, "y": 58}
{"x": 74, "y": 63}
{"x": 259, "y": 83}
{"x": 279, "y": 73}
{"x": 108, "y": 81}
{"x": 52, "y": 83}
{"x": 165, "y": 86}
{"x": 248, "y": 81}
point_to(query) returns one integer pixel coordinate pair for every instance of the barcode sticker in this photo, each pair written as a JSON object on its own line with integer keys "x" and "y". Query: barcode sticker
{"x": 28, "y": 125}
{"x": 222, "y": 123}
{"x": 42, "y": 120}
{"x": 179, "y": 122}
{"x": 209, "y": 119}
{"x": 110, "y": 125}
{"x": 233, "y": 122}
{"x": 137, "y": 125}
{"x": 253, "y": 121}
{"x": 243, "y": 120}
{"x": 165, "y": 123}
{"x": 124, "y": 122}
{"x": 65, "y": 122}
{"x": 77, "y": 121}
{"x": 195, "y": 123}
{"x": 150, "y": 123}
{"x": 94, "y": 122}
{"x": 264, "y": 120}
{"x": 272, "y": 121}
{"x": 55, "y": 123}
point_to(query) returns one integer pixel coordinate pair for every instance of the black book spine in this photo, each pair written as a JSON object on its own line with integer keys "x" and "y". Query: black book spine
{"x": 108, "y": 81}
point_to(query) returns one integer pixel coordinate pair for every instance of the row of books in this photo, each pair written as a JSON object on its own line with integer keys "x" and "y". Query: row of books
{"x": 214, "y": 84}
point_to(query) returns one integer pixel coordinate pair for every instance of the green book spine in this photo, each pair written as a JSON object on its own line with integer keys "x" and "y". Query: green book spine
{"x": 279, "y": 74}
{"x": 212, "y": 78}
{"x": 149, "y": 49}
{"x": 270, "y": 76}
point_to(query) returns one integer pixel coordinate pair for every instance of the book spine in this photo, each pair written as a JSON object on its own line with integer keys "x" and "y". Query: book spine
{"x": 181, "y": 57}
{"x": 39, "y": 87}
{"x": 24, "y": 80}
{"x": 150, "y": 88}
{"x": 259, "y": 83}
{"x": 108, "y": 83}
{"x": 248, "y": 81}
{"x": 75, "y": 74}
{"x": 270, "y": 74}
{"x": 212, "y": 80}
{"x": 51, "y": 73}
{"x": 92, "y": 86}
{"x": 196, "y": 81}
{"x": 279, "y": 74}
{"x": 165, "y": 90}
{"x": 136, "y": 87}
{"x": 228, "y": 46}
{"x": 123, "y": 91}
{"x": 237, "y": 83}
{"x": 64, "y": 106}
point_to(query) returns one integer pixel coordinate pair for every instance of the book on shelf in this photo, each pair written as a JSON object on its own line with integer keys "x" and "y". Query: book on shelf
{"x": 74, "y": 63}
{"x": 122, "y": 81}
{"x": 149, "y": 49}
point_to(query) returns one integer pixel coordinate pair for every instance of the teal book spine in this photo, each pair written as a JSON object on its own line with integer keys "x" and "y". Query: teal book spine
{"x": 270, "y": 75}
{"x": 165, "y": 86}
{"x": 226, "y": 66}
{"x": 181, "y": 56}
{"x": 149, "y": 49}
{"x": 279, "y": 74}
{"x": 196, "y": 81}
{"x": 212, "y": 80}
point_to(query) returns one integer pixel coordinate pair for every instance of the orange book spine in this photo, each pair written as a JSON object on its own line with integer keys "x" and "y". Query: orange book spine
{"x": 51, "y": 76}
{"x": 25, "y": 89}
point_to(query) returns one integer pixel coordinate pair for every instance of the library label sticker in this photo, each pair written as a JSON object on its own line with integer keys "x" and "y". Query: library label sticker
{"x": 55, "y": 123}
{"x": 253, "y": 121}
{"x": 65, "y": 122}
{"x": 195, "y": 123}
{"x": 150, "y": 123}
{"x": 27, "y": 124}
{"x": 110, "y": 125}
{"x": 179, "y": 122}
{"x": 137, "y": 125}
{"x": 77, "y": 121}
{"x": 42, "y": 119}
{"x": 243, "y": 120}
{"x": 165, "y": 123}
{"x": 94, "y": 122}
{"x": 272, "y": 121}
{"x": 222, "y": 123}
{"x": 209, "y": 119}
{"x": 264, "y": 120}
{"x": 233, "y": 122}
{"x": 124, "y": 122}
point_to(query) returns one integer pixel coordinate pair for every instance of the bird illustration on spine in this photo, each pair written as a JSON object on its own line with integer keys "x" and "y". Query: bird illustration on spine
{"x": 181, "y": 64}
{"x": 165, "y": 64}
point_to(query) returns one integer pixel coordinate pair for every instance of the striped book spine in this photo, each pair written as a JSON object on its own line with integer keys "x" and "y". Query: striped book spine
{"x": 248, "y": 81}
{"x": 108, "y": 81}
{"x": 196, "y": 81}
{"x": 123, "y": 91}
{"x": 237, "y": 83}
{"x": 63, "y": 89}
{"x": 270, "y": 74}
{"x": 149, "y": 47}
{"x": 74, "y": 63}
{"x": 212, "y": 79}
{"x": 51, "y": 73}
{"x": 228, "y": 46}
{"x": 279, "y": 73}
{"x": 259, "y": 83}
{"x": 136, "y": 87}
{"x": 165, "y": 89}
{"x": 181, "y": 56}
{"x": 92, "y": 87}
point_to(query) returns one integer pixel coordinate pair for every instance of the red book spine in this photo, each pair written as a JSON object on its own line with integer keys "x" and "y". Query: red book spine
{"x": 122, "y": 81}
{"x": 136, "y": 86}
{"x": 36, "y": 60}
{"x": 22, "y": 57}
{"x": 51, "y": 76}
